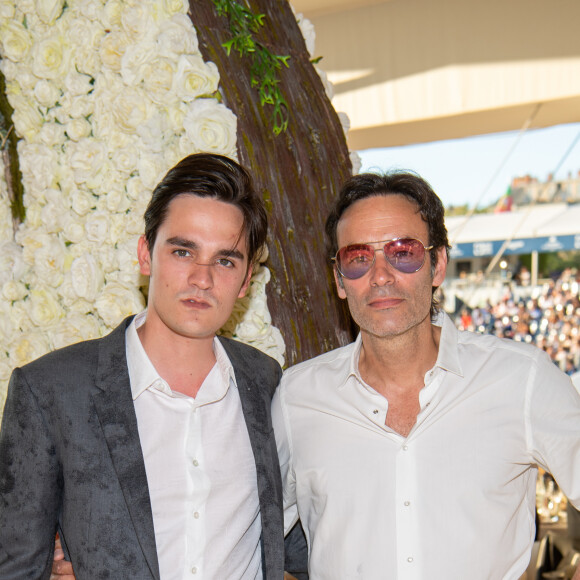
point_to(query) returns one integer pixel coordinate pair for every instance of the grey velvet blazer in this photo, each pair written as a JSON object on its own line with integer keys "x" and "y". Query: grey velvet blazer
{"x": 70, "y": 457}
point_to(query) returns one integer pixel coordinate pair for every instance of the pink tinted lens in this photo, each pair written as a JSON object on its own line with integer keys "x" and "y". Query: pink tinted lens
{"x": 406, "y": 255}
{"x": 355, "y": 261}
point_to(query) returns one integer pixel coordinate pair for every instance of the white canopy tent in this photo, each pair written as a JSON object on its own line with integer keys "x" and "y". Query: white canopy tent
{"x": 409, "y": 71}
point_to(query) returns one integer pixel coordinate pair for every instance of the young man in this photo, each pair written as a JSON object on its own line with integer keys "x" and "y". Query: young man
{"x": 151, "y": 449}
{"x": 412, "y": 453}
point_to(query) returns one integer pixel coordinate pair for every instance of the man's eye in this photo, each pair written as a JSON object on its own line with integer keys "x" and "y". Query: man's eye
{"x": 359, "y": 259}
{"x": 181, "y": 253}
{"x": 225, "y": 262}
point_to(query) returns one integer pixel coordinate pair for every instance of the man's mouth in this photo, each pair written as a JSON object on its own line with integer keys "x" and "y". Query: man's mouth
{"x": 384, "y": 302}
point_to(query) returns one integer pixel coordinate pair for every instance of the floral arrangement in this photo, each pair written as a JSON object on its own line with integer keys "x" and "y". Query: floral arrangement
{"x": 107, "y": 96}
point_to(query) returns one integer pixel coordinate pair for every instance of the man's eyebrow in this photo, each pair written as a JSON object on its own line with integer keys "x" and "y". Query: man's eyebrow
{"x": 191, "y": 245}
{"x": 182, "y": 242}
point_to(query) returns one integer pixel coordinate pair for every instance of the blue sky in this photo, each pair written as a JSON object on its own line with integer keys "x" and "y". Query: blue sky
{"x": 465, "y": 170}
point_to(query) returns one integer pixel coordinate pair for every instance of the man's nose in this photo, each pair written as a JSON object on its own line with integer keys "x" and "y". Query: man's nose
{"x": 201, "y": 275}
{"x": 381, "y": 273}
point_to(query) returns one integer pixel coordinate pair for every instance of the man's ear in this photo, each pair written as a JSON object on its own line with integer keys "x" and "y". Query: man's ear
{"x": 440, "y": 267}
{"x": 246, "y": 283}
{"x": 339, "y": 283}
{"x": 144, "y": 256}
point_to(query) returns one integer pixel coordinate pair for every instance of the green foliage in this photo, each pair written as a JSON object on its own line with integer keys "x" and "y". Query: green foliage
{"x": 265, "y": 66}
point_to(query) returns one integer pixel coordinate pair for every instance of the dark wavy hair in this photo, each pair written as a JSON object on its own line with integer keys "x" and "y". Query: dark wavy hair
{"x": 217, "y": 177}
{"x": 405, "y": 183}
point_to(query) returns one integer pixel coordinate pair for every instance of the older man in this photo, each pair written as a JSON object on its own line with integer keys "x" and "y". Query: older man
{"x": 412, "y": 453}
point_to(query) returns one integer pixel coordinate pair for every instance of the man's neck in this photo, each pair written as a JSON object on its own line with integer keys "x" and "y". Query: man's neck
{"x": 395, "y": 367}
{"x": 182, "y": 362}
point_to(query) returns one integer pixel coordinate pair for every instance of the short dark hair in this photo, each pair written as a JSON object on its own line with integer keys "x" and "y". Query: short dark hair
{"x": 405, "y": 183}
{"x": 217, "y": 177}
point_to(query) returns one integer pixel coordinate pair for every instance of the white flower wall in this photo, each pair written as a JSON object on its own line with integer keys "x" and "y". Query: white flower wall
{"x": 107, "y": 96}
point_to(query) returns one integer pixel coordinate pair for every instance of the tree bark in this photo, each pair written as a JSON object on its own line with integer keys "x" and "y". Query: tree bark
{"x": 297, "y": 172}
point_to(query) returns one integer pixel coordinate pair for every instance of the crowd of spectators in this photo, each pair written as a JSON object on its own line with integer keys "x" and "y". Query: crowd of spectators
{"x": 548, "y": 318}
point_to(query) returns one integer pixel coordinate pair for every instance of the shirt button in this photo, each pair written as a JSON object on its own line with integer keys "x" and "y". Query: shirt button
{"x": 196, "y": 515}
{"x": 407, "y": 503}
{"x": 405, "y": 447}
{"x": 375, "y": 411}
{"x": 195, "y": 462}
{"x": 410, "y": 559}
{"x": 194, "y": 570}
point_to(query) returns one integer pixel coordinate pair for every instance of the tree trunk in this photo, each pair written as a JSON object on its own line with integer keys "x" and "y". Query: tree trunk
{"x": 298, "y": 173}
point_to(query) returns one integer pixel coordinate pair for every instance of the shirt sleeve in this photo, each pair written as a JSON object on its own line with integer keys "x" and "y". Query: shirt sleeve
{"x": 284, "y": 446}
{"x": 30, "y": 487}
{"x": 553, "y": 416}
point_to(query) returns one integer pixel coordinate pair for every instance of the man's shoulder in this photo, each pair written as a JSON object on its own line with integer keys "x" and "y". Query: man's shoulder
{"x": 82, "y": 354}
{"x": 335, "y": 363}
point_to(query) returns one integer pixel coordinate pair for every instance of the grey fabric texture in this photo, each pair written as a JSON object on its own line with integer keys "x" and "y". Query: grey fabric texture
{"x": 70, "y": 458}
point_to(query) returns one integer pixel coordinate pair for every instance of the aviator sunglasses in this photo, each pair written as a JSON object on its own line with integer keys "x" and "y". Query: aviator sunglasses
{"x": 406, "y": 255}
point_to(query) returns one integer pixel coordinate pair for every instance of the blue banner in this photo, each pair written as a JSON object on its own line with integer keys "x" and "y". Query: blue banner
{"x": 516, "y": 246}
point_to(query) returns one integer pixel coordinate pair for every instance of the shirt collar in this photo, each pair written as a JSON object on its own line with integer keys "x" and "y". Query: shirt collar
{"x": 447, "y": 357}
{"x": 142, "y": 373}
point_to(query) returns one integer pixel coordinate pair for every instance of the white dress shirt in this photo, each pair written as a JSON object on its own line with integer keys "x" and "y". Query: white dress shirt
{"x": 200, "y": 471}
{"x": 453, "y": 500}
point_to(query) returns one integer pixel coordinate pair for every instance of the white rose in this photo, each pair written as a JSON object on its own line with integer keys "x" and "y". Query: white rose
{"x": 177, "y": 36}
{"x": 73, "y": 230}
{"x": 152, "y": 168}
{"x": 173, "y": 6}
{"x": 194, "y": 77}
{"x": 130, "y": 109}
{"x": 49, "y": 260}
{"x": 16, "y": 40}
{"x": 78, "y": 84}
{"x": 356, "y": 161}
{"x": 328, "y": 86}
{"x": 49, "y": 10}
{"x": 211, "y": 127}
{"x": 37, "y": 163}
{"x": 135, "y": 188}
{"x": 52, "y": 134}
{"x": 116, "y": 302}
{"x": 86, "y": 276}
{"x": 79, "y": 106}
{"x": 14, "y": 290}
{"x": 125, "y": 160}
{"x": 137, "y": 21}
{"x": 156, "y": 132}
{"x": 111, "y": 13}
{"x": 27, "y": 347}
{"x": 26, "y": 117}
{"x": 12, "y": 264}
{"x": 106, "y": 257}
{"x": 128, "y": 274}
{"x": 112, "y": 49}
{"x": 44, "y": 307}
{"x": 97, "y": 227}
{"x": 50, "y": 57}
{"x": 86, "y": 158}
{"x": 46, "y": 93}
{"x": 51, "y": 215}
{"x": 77, "y": 129}
{"x": 134, "y": 59}
{"x": 158, "y": 81}
{"x": 308, "y": 32}
{"x": 82, "y": 201}
{"x": 75, "y": 328}
{"x": 6, "y": 11}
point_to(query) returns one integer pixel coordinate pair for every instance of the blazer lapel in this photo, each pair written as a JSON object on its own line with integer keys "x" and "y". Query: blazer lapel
{"x": 255, "y": 388}
{"x": 116, "y": 412}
